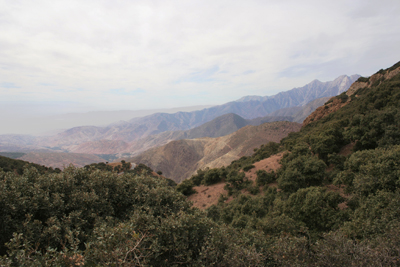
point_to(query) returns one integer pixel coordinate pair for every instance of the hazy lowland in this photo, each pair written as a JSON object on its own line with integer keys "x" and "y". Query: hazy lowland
{"x": 287, "y": 180}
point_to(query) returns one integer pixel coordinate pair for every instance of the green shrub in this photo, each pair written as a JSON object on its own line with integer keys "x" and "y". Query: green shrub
{"x": 264, "y": 177}
{"x": 363, "y": 79}
{"x": 315, "y": 207}
{"x": 186, "y": 187}
{"x": 248, "y": 167}
{"x": 301, "y": 172}
{"x": 213, "y": 176}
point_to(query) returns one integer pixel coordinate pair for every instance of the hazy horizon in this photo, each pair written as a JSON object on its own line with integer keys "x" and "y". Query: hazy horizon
{"x": 45, "y": 124}
{"x": 75, "y": 57}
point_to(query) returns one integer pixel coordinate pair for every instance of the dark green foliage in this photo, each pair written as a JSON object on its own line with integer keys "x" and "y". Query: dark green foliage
{"x": 343, "y": 97}
{"x": 34, "y": 204}
{"x": 363, "y": 79}
{"x": 235, "y": 181}
{"x": 328, "y": 141}
{"x": 337, "y": 160}
{"x": 248, "y": 168}
{"x": 199, "y": 177}
{"x": 213, "y": 176}
{"x": 264, "y": 177}
{"x": 315, "y": 207}
{"x": 301, "y": 172}
{"x": 368, "y": 171}
{"x": 375, "y": 215}
{"x": 265, "y": 151}
{"x": 139, "y": 169}
{"x": 100, "y": 166}
{"x": 244, "y": 211}
{"x": 371, "y": 130}
{"x": 170, "y": 182}
{"x": 206, "y": 177}
{"x": 336, "y": 249}
{"x": 96, "y": 218}
{"x": 186, "y": 187}
{"x": 228, "y": 247}
{"x": 16, "y": 165}
{"x": 253, "y": 189}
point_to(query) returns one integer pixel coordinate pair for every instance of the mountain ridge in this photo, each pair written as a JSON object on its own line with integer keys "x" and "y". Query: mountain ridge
{"x": 138, "y": 128}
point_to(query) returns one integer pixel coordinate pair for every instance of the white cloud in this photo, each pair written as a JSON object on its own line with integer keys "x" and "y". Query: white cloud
{"x": 183, "y": 53}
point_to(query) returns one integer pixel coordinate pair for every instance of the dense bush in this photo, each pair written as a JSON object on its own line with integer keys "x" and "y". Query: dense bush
{"x": 18, "y": 166}
{"x": 213, "y": 176}
{"x": 264, "y": 177}
{"x": 93, "y": 217}
{"x": 248, "y": 167}
{"x": 186, "y": 187}
{"x": 235, "y": 181}
{"x": 315, "y": 207}
{"x": 366, "y": 172}
{"x": 301, "y": 172}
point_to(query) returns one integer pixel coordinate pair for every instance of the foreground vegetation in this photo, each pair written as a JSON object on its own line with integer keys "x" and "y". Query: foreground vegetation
{"x": 321, "y": 208}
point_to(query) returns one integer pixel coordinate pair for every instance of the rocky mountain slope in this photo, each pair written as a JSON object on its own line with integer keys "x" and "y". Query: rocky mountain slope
{"x": 178, "y": 160}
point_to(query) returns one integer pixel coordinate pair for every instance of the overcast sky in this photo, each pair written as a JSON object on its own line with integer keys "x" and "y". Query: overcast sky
{"x": 87, "y": 55}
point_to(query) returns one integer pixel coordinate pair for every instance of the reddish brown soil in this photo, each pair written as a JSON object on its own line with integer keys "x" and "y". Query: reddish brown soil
{"x": 268, "y": 164}
{"x": 207, "y": 196}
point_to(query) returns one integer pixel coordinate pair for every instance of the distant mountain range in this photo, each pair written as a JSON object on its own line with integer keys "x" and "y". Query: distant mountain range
{"x": 303, "y": 95}
{"x": 128, "y": 138}
{"x": 138, "y": 128}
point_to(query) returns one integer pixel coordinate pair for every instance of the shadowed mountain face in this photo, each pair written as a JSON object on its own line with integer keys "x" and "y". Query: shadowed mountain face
{"x": 178, "y": 160}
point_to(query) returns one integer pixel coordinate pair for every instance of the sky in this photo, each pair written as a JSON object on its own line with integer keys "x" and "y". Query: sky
{"x": 78, "y": 56}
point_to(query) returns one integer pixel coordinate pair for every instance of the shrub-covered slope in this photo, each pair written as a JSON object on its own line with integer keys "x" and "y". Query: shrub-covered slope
{"x": 322, "y": 197}
{"x": 8, "y": 164}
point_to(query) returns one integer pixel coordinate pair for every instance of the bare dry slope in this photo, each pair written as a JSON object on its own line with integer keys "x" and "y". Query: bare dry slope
{"x": 178, "y": 160}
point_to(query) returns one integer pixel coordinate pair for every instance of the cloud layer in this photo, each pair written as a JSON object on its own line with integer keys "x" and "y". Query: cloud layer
{"x": 105, "y": 55}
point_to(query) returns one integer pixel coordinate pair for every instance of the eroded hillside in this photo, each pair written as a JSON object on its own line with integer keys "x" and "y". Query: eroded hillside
{"x": 178, "y": 160}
